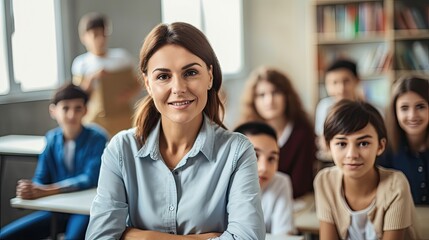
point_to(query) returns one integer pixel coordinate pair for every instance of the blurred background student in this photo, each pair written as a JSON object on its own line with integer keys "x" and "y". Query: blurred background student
{"x": 269, "y": 96}
{"x": 70, "y": 162}
{"x": 341, "y": 82}
{"x": 98, "y": 63}
{"x": 408, "y": 124}
{"x": 276, "y": 187}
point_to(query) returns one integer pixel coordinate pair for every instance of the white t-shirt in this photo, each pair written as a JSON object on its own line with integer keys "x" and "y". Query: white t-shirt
{"x": 277, "y": 205}
{"x": 360, "y": 227}
{"x": 69, "y": 150}
{"x": 114, "y": 60}
{"x": 322, "y": 110}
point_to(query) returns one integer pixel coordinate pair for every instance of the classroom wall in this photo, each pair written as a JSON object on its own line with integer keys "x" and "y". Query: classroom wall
{"x": 276, "y": 33}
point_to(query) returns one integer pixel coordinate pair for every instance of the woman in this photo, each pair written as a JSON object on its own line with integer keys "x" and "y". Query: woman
{"x": 408, "y": 124}
{"x": 179, "y": 172}
{"x": 270, "y": 97}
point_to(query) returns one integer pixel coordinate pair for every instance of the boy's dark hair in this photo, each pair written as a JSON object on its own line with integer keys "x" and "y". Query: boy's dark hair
{"x": 256, "y": 128}
{"x": 69, "y": 91}
{"x": 92, "y": 20}
{"x": 343, "y": 64}
{"x": 347, "y": 117}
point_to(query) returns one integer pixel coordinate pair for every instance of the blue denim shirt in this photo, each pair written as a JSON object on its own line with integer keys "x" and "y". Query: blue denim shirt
{"x": 415, "y": 166}
{"x": 51, "y": 167}
{"x": 214, "y": 188}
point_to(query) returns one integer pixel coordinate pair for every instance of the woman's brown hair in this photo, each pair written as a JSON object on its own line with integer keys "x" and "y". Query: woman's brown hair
{"x": 294, "y": 110}
{"x": 418, "y": 85}
{"x": 192, "y": 39}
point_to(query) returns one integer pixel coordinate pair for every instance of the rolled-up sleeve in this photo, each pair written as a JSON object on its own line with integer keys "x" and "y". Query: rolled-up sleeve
{"x": 245, "y": 216}
{"x": 109, "y": 209}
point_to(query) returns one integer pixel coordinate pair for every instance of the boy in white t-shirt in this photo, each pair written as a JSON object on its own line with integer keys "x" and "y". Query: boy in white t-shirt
{"x": 276, "y": 187}
{"x": 97, "y": 63}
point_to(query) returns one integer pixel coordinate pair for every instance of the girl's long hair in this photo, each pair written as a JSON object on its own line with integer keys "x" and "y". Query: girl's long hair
{"x": 415, "y": 84}
{"x": 294, "y": 110}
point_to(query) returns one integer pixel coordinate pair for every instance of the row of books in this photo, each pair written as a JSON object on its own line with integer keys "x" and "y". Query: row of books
{"x": 412, "y": 56}
{"x": 371, "y": 60}
{"x": 350, "y": 20}
{"x": 411, "y": 17}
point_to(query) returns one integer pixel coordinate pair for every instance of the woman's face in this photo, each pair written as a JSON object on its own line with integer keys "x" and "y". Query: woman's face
{"x": 412, "y": 112}
{"x": 270, "y": 103}
{"x": 178, "y": 82}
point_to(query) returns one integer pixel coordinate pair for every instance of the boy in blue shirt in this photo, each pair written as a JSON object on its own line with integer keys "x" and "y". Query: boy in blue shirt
{"x": 70, "y": 162}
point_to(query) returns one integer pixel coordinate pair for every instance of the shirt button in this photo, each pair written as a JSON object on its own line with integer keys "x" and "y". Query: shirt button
{"x": 176, "y": 173}
{"x": 424, "y": 198}
{"x": 171, "y": 208}
{"x": 422, "y": 185}
{"x": 420, "y": 169}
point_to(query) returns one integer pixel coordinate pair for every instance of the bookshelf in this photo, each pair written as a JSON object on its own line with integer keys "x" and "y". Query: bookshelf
{"x": 386, "y": 38}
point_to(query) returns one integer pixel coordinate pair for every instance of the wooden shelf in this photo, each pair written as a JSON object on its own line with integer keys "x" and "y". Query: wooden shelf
{"x": 333, "y": 2}
{"x": 373, "y": 38}
{"x": 334, "y": 36}
{"x": 411, "y": 34}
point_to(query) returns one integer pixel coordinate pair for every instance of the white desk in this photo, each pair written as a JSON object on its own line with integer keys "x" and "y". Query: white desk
{"x": 282, "y": 237}
{"x": 422, "y": 214}
{"x": 73, "y": 202}
{"x": 22, "y": 144}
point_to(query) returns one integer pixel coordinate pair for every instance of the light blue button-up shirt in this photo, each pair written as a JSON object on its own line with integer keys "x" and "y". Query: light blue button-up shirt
{"x": 214, "y": 188}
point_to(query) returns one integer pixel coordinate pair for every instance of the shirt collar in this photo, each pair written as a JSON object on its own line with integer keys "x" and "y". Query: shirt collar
{"x": 204, "y": 142}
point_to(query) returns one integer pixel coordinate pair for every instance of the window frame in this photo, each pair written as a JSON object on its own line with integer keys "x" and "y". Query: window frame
{"x": 242, "y": 71}
{"x": 15, "y": 93}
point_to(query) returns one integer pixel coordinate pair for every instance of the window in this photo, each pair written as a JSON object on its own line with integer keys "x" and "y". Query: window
{"x": 30, "y": 63}
{"x": 220, "y": 20}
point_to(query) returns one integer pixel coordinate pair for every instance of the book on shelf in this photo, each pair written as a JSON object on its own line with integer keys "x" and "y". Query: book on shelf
{"x": 350, "y": 20}
{"x": 374, "y": 60}
{"x": 412, "y": 56}
{"x": 409, "y": 19}
{"x": 340, "y": 20}
{"x": 379, "y": 56}
{"x": 329, "y": 22}
{"x": 421, "y": 55}
{"x": 380, "y": 17}
{"x": 418, "y": 18}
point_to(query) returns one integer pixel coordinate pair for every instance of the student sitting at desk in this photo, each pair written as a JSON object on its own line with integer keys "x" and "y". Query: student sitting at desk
{"x": 356, "y": 199}
{"x": 408, "y": 122}
{"x": 70, "y": 162}
{"x": 277, "y": 198}
{"x": 270, "y": 96}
